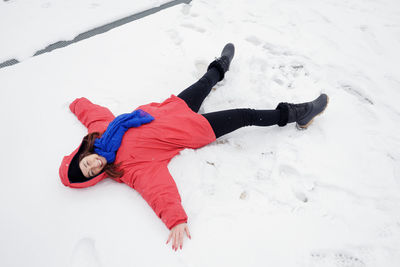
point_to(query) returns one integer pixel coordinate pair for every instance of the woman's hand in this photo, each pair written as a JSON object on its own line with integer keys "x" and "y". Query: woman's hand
{"x": 177, "y": 233}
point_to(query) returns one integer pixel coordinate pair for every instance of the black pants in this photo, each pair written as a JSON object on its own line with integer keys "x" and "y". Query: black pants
{"x": 225, "y": 121}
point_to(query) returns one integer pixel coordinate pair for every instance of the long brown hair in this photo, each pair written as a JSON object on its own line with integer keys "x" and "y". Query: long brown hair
{"x": 111, "y": 169}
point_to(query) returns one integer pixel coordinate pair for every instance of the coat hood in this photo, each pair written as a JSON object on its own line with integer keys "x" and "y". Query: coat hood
{"x": 66, "y": 173}
{"x": 96, "y": 119}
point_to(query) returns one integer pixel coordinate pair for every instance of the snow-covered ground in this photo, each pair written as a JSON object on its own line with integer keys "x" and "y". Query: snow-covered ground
{"x": 29, "y": 26}
{"x": 326, "y": 196}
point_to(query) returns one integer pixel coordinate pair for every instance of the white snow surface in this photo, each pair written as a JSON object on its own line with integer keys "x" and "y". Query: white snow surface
{"x": 29, "y": 26}
{"x": 260, "y": 196}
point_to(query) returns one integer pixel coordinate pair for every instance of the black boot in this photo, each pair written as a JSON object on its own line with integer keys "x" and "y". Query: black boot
{"x": 303, "y": 113}
{"x": 222, "y": 63}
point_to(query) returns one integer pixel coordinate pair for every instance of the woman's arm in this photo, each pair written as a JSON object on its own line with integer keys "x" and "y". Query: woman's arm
{"x": 96, "y": 118}
{"x": 158, "y": 188}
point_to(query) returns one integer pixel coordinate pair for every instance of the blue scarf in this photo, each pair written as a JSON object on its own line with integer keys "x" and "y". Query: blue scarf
{"x": 111, "y": 139}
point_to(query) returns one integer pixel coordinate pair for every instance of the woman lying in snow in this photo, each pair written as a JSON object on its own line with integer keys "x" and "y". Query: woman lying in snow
{"x": 135, "y": 148}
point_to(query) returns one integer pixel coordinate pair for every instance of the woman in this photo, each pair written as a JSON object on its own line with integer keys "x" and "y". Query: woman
{"x": 136, "y": 148}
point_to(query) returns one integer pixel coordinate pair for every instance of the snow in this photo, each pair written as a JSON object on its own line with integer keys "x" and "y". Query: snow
{"x": 325, "y": 196}
{"x": 29, "y": 26}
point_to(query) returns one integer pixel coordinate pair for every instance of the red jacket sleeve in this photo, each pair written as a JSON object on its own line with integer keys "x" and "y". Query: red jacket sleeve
{"x": 96, "y": 118}
{"x": 156, "y": 185}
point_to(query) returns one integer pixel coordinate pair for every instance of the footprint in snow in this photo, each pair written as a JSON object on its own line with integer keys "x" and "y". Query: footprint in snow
{"x": 85, "y": 254}
{"x": 186, "y": 9}
{"x": 175, "y": 37}
{"x": 193, "y": 27}
{"x": 297, "y": 186}
{"x": 46, "y": 5}
{"x": 335, "y": 258}
{"x": 288, "y": 170}
{"x": 94, "y": 5}
{"x": 276, "y": 50}
{"x": 253, "y": 40}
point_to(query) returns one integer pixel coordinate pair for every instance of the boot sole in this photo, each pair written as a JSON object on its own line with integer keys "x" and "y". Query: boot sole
{"x": 303, "y": 127}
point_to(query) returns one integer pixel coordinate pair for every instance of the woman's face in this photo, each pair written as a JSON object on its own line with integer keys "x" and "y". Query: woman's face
{"x": 92, "y": 164}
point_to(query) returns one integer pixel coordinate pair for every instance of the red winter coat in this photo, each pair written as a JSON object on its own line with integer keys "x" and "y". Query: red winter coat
{"x": 145, "y": 151}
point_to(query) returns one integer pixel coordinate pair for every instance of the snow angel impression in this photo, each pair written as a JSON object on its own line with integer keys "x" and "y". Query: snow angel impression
{"x": 135, "y": 148}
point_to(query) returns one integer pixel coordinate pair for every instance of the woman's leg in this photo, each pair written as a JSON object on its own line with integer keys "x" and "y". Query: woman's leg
{"x": 195, "y": 94}
{"x": 226, "y": 121}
